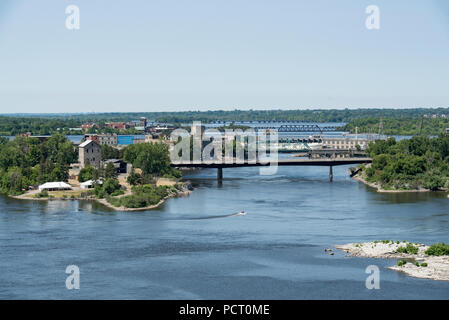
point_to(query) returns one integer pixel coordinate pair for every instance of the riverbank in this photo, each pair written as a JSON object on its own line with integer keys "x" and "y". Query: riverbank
{"x": 381, "y": 190}
{"x": 185, "y": 191}
{"x": 87, "y": 194}
{"x": 360, "y": 177}
{"x": 418, "y": 265}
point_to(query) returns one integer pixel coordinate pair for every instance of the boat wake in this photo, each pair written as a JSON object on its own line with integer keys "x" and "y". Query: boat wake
{"x": 241, "y": 213}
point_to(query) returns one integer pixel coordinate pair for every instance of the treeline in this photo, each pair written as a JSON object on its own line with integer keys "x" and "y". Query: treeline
{"x": 44, "y": 125}
{"x": 28, "y": 162}
{"x": 11, "y": 126}
{"x": 399, "y": 126}
{"x": 395, "y": 121}
{"x": 300, "y": 115}
{"x": 316, "y": 115}
{"x": 416, "y": 163}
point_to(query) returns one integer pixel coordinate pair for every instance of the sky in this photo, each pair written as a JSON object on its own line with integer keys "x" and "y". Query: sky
{"x": 176, "y": 55}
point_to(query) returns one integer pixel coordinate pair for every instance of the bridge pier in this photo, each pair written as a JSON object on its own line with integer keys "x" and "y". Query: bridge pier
{"x": 219, "y": 174}
{"x": 331, "y": 174}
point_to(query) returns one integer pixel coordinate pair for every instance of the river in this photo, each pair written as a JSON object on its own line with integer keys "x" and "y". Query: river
{"x": 190, "y": 248}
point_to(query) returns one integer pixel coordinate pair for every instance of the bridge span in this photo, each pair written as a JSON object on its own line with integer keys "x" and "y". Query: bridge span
{"x": 282, "y": 162}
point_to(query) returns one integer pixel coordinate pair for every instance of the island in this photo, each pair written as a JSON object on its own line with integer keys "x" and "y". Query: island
{"x": 414, "y": 259}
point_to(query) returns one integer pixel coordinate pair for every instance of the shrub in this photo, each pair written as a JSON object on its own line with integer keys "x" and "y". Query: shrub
{"x": 423, "y": 264}
{"x": 134, "y": 179}
{"x": 401, "y": 262}
{"x": 117, "y": 193}
{"x": 410, "y": 249}
{"x": 439, "y": 249}
{"x": 42, "y": 194}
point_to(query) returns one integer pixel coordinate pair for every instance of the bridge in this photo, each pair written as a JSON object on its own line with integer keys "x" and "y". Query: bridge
{"x": 299, "y": 128}
{"x": 323, "y": 162}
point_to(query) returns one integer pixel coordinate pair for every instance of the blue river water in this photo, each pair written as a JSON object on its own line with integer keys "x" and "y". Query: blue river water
{"x": 194, "y": 248}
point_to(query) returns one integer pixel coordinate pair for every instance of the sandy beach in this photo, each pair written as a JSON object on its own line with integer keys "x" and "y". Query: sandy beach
{"x": 437, "y": 266}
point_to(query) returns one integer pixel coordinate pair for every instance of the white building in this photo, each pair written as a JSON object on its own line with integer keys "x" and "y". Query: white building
{"x": 89, "y": 184}
{"x": 55, "y": 186}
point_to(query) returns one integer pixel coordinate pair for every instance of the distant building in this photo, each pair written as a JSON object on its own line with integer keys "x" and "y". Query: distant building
{"x": 138, "y": 140}
{"x": 89, "y": 184}
{"x": 143, "y": 122}
{"x": 125, "y": 140}
{"x": 89, "y": 153}
{"x": 101, "y": 139}
{"x": 343, "y": 143}
{"x": 93, "y": 137}
{"x": 118, "y": 125}
{"x": 87, "y": 126}
{"x": 108, "y": 139}
{"x": 120, "y": 165}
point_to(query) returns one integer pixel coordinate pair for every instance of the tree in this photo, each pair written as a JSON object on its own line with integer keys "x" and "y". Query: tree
{"x": 111, "y": 185}
{"x": 110, "y": 171}
{"x": 134, "y": 178}
{"x": 86, "y": 174}
{"x": 108, "y": 152}
{"x": 152, "y": 158}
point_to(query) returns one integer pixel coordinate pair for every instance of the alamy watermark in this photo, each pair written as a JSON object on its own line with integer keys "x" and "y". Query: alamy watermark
{"x": 373, "y": 280}
{"x": 372, "y": 22}
{"x": 73, "y": 280}
{"x": 72, "y": 21}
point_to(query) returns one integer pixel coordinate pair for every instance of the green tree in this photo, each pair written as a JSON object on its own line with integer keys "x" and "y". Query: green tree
{"x": 110, "y": 171}
{"x": 86, "y": 173}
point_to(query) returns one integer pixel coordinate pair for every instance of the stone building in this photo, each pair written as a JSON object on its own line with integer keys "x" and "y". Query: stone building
{"x": 89, "y": 153}
{"x": 108, "y": 139}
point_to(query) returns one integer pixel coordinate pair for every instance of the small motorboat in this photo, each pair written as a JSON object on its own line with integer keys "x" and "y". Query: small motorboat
{"x": 241, "y": 213}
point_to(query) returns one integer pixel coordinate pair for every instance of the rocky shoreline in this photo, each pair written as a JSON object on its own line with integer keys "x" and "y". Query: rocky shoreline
{"x": 419, "y": 265}
{"x": 380, "y": 190}
{"x": 360, "y": 177}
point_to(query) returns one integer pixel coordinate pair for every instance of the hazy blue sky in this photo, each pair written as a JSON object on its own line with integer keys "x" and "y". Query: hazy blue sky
{"x": 145, "y": 55}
